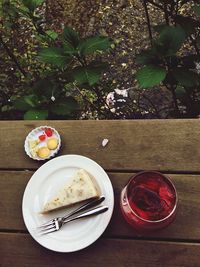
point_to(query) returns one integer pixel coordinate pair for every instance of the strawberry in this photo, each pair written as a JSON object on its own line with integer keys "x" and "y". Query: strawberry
{"x": 48, "y": 132}
{"x": 42, "y": 137}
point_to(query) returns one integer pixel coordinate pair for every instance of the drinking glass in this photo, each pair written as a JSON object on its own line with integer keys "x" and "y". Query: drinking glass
{"x": 149, "y": 201}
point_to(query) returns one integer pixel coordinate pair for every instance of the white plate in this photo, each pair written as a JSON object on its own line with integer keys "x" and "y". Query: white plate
{"x": 44, "y": 183}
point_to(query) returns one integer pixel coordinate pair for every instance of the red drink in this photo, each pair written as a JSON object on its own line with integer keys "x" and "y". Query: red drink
{"x": 149, "y": 201}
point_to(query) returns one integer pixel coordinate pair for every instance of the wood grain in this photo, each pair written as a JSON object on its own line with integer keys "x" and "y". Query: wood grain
{"x": 104, "y": 252}
{"x": 167, "y": 145}
{"x": 185, "y": 226}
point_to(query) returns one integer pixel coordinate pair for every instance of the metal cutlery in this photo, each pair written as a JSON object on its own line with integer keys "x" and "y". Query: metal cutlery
{"x": 86, "y": 206}
{"x": 57, "y": 223}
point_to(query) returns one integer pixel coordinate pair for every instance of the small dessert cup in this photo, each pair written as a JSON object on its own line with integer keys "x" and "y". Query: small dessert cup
{"x": 40, "y": 143}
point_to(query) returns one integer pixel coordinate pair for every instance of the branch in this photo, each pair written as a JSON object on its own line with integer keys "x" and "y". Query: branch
{"x": 148, "y": 21}
{"x": 166, "y": 13}
{"x": 60, "y": 5}
{"x": 172, "y": 89}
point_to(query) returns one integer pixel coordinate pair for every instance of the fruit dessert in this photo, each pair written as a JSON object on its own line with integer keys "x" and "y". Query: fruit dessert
{"x": 44, "y": 145}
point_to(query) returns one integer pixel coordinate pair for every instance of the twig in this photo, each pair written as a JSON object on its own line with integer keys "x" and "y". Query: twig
{"x": 60, "y": 5}
{"x": 166, "y": 13}
{"x": 172, "y": 89}
{"x": 148, "y": 21}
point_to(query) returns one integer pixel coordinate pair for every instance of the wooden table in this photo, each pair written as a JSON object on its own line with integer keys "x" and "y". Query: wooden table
{"x": 170, "y": 146}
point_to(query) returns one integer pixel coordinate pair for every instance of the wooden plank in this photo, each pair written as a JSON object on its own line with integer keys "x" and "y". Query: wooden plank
{"x": 12, "y": 186}
{"x": 168, "y": 145}
{"x": 186, "y": 225}
{"x": 105, "y": 252}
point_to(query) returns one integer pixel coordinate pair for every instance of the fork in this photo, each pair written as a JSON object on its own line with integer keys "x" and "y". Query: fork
{"x": 86, "y": 206}
{"x": 57, "y": 224}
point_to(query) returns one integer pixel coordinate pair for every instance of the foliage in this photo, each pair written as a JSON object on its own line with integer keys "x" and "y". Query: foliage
{"x": 56, "y": 73}
{"x": 173, "y": 60}
{"x": 69, "y": 61}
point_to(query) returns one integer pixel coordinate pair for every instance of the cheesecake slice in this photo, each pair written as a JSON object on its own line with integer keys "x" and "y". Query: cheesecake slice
{"x": 81, "y": 187}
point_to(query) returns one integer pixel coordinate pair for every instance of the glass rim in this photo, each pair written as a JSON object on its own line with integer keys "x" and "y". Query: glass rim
{"x": 169, "y": 180}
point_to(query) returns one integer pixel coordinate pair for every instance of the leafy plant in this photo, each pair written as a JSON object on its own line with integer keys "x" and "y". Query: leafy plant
{"x": 174, "y": 55}
{"x": 46, "y": 100}
{"x": 73, "y": 50}
{"x": 70, "y": 64}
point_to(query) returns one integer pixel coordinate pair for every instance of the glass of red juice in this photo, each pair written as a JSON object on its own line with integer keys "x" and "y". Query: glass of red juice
{"x": 149, "y": 201}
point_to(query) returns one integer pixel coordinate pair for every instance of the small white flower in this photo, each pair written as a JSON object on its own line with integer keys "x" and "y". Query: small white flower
{"x": 123, "y": 92}
{"x": 53, "y": 98}
{"x": 110, "y": 99}
{"x": 113, "y": 110}
{"x": 121, "y": 100}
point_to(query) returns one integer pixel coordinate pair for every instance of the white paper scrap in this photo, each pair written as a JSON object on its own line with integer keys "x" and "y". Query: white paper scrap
{"x": 105, "y": 142}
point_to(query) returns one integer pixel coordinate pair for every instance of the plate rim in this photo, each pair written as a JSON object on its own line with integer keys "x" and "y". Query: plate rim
{"x": 111, "y": 207}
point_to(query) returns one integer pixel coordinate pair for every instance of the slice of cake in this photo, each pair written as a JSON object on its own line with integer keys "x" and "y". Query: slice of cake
{"x": 81, "y": 187}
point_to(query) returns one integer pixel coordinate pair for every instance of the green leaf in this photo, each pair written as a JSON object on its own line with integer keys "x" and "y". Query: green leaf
{"x": 66, "y": 107}
{"x": 8, "y": 9}
{"x": 93, "y": 44}
{"x": 51, "y": 34}
{"x": 197, "y": 9}
{"x": 36, "y": 114}
{"x": 89, "y": 74}
{"x": 186, "y": 77}
{"x": 70, "y": 36}
{"x": 180, "y": 91}
{"x": 26, "y": 102}
{"x": 171, "y": 39}
{"x": 69, "y": 49}
{"x": 159, "y": 28}
{"x": 54, "y": 56}
{"x": 150, "y": 76}
{"x": 101, "y": 66}
{"x": 85, "y": 75}
{"x": 147, "y": 58}
{"x": 44, "y": 87}
{"x": 32, "y": 4}
{"x": 20, "y": 104}
{"x": 24, "y": 11}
